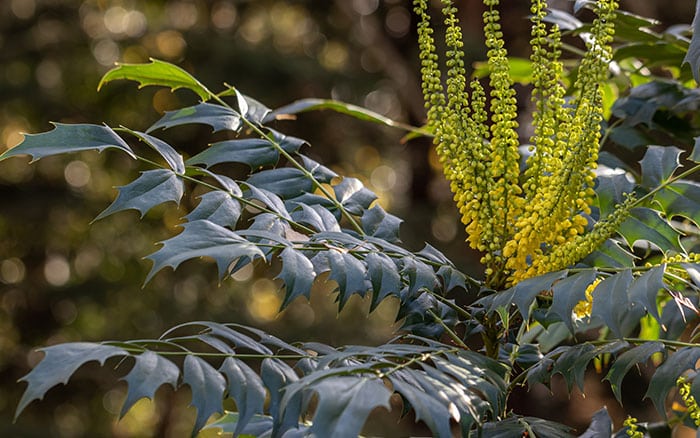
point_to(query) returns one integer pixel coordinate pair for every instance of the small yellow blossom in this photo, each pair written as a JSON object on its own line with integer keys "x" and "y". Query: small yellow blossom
{"x": 583, "y": 308}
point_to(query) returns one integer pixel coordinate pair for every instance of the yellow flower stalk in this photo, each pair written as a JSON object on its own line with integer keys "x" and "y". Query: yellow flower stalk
{"x": 531, "y": 222}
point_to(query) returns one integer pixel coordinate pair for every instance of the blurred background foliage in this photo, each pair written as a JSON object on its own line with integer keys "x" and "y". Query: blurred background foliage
{"x": 65, "y": 279}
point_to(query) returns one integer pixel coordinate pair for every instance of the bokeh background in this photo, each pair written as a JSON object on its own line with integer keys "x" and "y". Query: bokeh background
{"x": 65, "y": 279}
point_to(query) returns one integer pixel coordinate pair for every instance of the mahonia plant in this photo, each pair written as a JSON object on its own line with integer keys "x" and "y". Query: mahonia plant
{"x": 534, "y": 221}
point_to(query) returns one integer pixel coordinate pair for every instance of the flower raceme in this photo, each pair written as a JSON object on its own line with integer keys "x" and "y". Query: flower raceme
{"x": 534, "y": 221}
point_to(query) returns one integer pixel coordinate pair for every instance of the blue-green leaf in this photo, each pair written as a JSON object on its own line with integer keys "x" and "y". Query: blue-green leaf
{"x": 378, "y": 223}
{"x": 271, "y": 200}
{"x": 601, "y": 425}
{"x": 646, "y": 288}
{"x": 171, "y": 156}
{"x": 682, "y": 198}
{"x": 695, "y": 153}
{"x": 254, "y": 152}
{"x": 610, "y": 254}
{"x": 297, "y": 274}
{"x": 384, "y": 276}
{"x": 344, "y": 403}
{"x": 207, "y": 387}
{"x": 276, "y": 375}
{"x": 285, "y": 182}
{"x": 610, "y": 192}
{"x": 658, "y": 164}
{"x": 428, "y": 408}
{"x": 246, "y": 389}
{"x": 59, "y": 364}
{"x": 153, "y": 187}
{"x": 349, "y": 273}
{"x": 219, "y": 117}
{"x": 419, "y": 275}
{"x": 353, "y": 195}
{"x": 624, "y": 362}
{"x": 567, "y": 293}
{"x": 666, "y": 375}
{"x": 316, "y": 217}
{"x": 150, "y": 372}
{"x": 646, "y": 224}
{"x": 203, "y": 239}
{"x": 68, "y": 138}
{"x": 693, "y": 55}
{"x": 612, "y": 303}
{"x": 218, "y": 207}
{"x": 320, "y": 172}
{"x": 517, "y": 426}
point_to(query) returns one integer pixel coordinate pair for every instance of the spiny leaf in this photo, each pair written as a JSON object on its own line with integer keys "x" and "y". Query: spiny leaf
{"x": 384, "y": 276}
{"x": 646, "y": 224}
{"x": 610, "y": 254}
{"x": 254, "y": 152}
{"x": 433, "y": 412}
{"x": 171, "y": 156}
{"x": 612, "y": 303}
{"x": 207, "y": 387}
{"x": 59, "y": 364}
{"x": 658, "y": 164}
{"x": 610, "y": 192}
{"x": 666, "y": 375}
{"x": 150, "y": 372}
{"x": 378, "y": 223}
{"x": 419, "y": 275}
{"x": 217, "y": 207}
{"x": 159, "y": 73}
{"x": 693, "y": 55}
{"x": 153, "y": 187}
{"x": 646, "y": 287}
{"x": 247, "y": 390}
{"x": 344, "y": 403}
{"x": 353, "y": 195}
{"x": 202, "y": 238}
{"x": 297, "y": 274}
{"x": 316, "y": 217}
{"x": 219, "y": 117}
{"x": 567, "y": 293}
{"x": 601, "y": 425}
{"x": 349, "y": 273}
{"x": 624, "y": 362}
{"x": 271, "y": 200}
{"x": 682, "y": 198}
{"x": 516, "y": 426}
{"x": 276, "y": 375}
{"x": 285, "y": 182}
{"x": 68, "y": 138}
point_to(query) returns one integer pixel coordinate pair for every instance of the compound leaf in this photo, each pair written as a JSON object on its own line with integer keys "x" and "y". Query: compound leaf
{"x": 349, "y": 273}
{"x": 59, "y": 364}
{"x": 150, "y": 372}
{"x": 353, "y": 195}
{"x": 378, "y": 223}
{"x": 207, "y": 387}
{"x": 68, "y": 138}
{"x": 202, "y": 238}
{"x": 219, "y": 117}
{"x": 159, "y": 73}
{"x": 153, "y": 187}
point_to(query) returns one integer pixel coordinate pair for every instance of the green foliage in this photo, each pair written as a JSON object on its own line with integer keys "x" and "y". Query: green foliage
{"x": 311, "y": 224}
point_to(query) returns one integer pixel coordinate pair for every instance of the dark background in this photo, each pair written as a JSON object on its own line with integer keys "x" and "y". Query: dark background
{"x": 63, "y": 279}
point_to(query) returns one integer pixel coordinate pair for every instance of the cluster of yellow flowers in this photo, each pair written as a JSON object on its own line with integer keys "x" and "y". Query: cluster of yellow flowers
{"x": 531, "y": 222}
{"x": 688, "y": 400}
{"x": 632, "y": 428}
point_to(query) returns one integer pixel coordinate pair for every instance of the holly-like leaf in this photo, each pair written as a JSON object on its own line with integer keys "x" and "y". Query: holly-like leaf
{"x": 610, "y": 192}
{"x": 344, "y": 403}
{"x": 202, "y": 238}
{"x": 68, "y": 138}
{"x": 246, "y": 389}
{"x": 207, "y": 387}
{"x": 666, "y": 375}
{"x": 567, "y": 293}
{"x": 693, "y": 55}
{"x": 516, "y": 426}
{"x": 316, "y": 217}
{"x": 285, "y": 182}
{"x": 353, "y": 195}
{"x": 171, "y": 156}
{"x": 59, "y": 364}
{"x": 646, "y": 224}
{"x": 427, "y": 406}
{"x": 150, "y": 372}
{"x": 159, "y": 73}
{"x": 601, "y": 425}
{"x": 645, "y": 288}
{"x": 610, "y": 254}
{"x": 384, "y": 276}
{"x": 682, "y": 198}
{"x": 658, "y": 164}
{"x": 276, "y": 375}
{"x": 612, "y": 303}
{"x": 419, "y": 275}
{"x": 219, "y": 117}
{"x": 378, "y": 223}
{"x": 153, "y": 187}
{"x": 349, "y": 273}
{"x": 297, "y": 274}
{"x": 218, "y": 207}
{"x": 624, "y": 362}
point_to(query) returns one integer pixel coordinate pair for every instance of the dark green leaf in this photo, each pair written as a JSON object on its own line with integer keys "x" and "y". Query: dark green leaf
{"x": 601, "y": 425}
{"x": 646, "y": 224}
{"x": 378, "y": 223}
{"x": 68, "y": 138}
{"x": 646, "y": 288}
{"x": 612, "y": 303}
{"x": 419, "y": 275}
{"x": 207, "y": 387}
{"x": 610, "y": 254}
{"x": 246, "y": 389}
{"x": 624, "y": 362}
{"x": 150, "y": 372}
{"x": 682, "y": 198}
{"x": 666, "y": 375}
{"x": 171, "y": 156}
{"x": 152, "y": 188}
{"x": 695, "y": 154}
{"x": 218, "y": 207}
{"x": 384, "y": 276}
{"x": 276, "y": 375}
{"x": 59, "y": 364}
{"x": 658, "y": 165}
{"x": 344, "y": 404}
{"x": 428, "y": 408}
{"x": 285, "y": 182}
{"x": 271, "y": 200}
{"x": 693, "y": 55}
{"x": 297, "y": 274}
{"x": 526, "y": 291}
{"x": 567, "y": 293}
{"x": 354, "y": 196}
{"x": 321, "y": 173}
{"x": 156, "y": 73}
{"x": 219, "y": 117}
{"x": 349, "y": 273}
{"x": 610, "y": 192}
{"x": 203, "y": 239}
{"x": 254, "y": 152}
{"x": 517, "y": 427}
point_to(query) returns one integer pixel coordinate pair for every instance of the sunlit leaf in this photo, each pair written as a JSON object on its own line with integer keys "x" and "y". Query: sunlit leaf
{"x": 353, "y": 195}
{"x": 682, "y": 198}
{"x": 68, "y": 138}
{"x": 219, "y": 117}
{"x": 171, "y": 156}
{"x": 217, "y": 207}
{"x": 658, "y": 164}
{"x": 377, "y": 222}
{"x": 645, "y": 224}
{"x": 150, "y": 372}
{"x": 285, "y": 182}
{"x": 159, "y": 73}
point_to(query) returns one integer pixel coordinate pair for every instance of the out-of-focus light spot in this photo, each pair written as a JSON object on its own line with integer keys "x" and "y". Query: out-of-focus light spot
{"x": 106, "y": 52}
{"x": 170, "y": 44}
{"x": 244, "y": 274}
{"x": 254, "y": 27}
{"x": 383, "y": 178}
{"x": 384, "y": 101}
{"x": 23, "y": 9}
{"x": 77, "y": 174}
{"x": 140, "y": 420}
{"x": 367, "y": 157}
{"x": 92, "y": 22}
{"x": 182, "y": 15}
{"x": 186, "y": 293}
{"x": 88, "y": 258}
{"x": 127, "y": 23}
{"x": 365, "y": 7}
{"x": 49, "y": 32}
{"x": 12, "y": 270}
{"x": 70, "y": 421}
{"x": 164, "y": 100}
{"x": 112, "y": 401}
{"x": 57, "y": 270}
{"x": 369, "y": 60}
{"x": 334, "y": 55}
{"x": 135, "y": 55}
{"x": 223, "y": 15}
{"x": 17, "y": 73}
{"x": 49, "y": 75}
{"x": 64, "y": 311}
{"x": 398, "y": 21}
{"x": 264, "y": 300}
{"x": 444, "y": 228}
{"x": 290, "y": 24}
